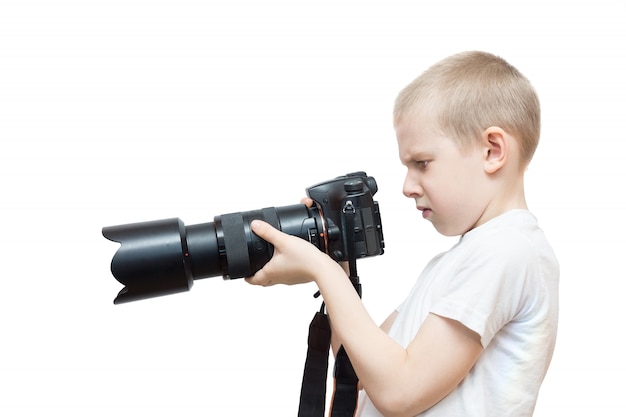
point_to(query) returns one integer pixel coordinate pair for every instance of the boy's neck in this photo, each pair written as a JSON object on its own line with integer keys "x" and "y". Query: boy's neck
{"x": 510, "y": 196}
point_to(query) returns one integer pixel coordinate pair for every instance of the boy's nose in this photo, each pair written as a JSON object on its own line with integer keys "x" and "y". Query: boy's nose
{"x": 411, "y": 187}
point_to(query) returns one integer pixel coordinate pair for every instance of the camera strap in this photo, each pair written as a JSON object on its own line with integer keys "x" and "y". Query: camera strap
{"x": 313, "y": 391}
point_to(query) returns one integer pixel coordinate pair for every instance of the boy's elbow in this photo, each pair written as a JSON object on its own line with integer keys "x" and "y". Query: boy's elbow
{"x": 397, "y": 404}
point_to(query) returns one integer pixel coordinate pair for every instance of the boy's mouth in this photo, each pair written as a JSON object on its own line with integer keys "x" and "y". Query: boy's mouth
{"x": 425, "y": 211}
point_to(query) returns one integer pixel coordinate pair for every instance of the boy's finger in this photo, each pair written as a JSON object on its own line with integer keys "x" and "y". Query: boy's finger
{"x": 263, "y": 229}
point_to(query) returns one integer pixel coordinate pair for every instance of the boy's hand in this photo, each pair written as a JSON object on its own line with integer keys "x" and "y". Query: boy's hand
{"x": 294, "y": 261}
{"x": 307, "y": 201}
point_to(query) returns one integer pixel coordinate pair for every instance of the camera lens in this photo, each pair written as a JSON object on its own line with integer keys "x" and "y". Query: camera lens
{"x": 164, "y": 257}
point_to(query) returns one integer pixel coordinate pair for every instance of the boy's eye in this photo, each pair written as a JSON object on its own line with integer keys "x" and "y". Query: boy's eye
{"x": 422, "y": 164}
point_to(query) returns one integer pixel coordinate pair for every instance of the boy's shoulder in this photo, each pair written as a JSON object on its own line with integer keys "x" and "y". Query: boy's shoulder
{"x": 514, "y": 236}
{"x": 517, "y": 222}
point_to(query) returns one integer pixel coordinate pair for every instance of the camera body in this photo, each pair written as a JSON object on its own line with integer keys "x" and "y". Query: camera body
{"x": 164, "y": 256}
{"x": 345, "y": 195}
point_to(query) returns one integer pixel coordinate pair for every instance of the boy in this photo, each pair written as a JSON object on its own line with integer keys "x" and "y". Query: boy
{"x": 476, "y": 334}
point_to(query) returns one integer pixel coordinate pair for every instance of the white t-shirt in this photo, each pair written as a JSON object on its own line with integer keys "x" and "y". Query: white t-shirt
{"x": 501, "y": 281}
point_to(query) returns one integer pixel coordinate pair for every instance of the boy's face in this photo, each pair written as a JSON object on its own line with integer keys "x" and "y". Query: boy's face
{"x": 448, "y": 184}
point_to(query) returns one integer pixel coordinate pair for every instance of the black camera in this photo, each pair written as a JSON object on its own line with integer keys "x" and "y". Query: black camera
{"x": 164, "y": 256}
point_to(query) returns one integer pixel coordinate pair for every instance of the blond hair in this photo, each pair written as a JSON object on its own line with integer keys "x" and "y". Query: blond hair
{"x": 471, "y": 91}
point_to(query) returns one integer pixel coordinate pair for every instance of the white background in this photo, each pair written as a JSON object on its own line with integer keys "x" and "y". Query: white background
{"x": 117, "y": 111}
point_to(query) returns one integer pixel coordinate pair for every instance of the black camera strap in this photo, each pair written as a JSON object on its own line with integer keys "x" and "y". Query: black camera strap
{"x": 313, "y": 391}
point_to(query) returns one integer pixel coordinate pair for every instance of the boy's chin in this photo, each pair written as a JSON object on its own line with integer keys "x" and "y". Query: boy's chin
{"x": 447, "y": 230}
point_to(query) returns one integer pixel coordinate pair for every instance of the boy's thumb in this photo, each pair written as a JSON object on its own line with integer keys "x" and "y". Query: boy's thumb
{"x": 261, "y": 228}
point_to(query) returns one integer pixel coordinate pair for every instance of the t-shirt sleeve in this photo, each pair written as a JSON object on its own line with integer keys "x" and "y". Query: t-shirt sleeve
{"x": 488, "y": 286}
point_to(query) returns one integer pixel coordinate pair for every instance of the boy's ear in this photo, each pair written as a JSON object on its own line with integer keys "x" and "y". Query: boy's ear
{"x": 495, "y": 149}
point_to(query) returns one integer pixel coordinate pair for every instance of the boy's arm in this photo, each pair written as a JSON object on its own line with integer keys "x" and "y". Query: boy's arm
{"x": 399, "y": 381}
{"x": 335, "y": 343}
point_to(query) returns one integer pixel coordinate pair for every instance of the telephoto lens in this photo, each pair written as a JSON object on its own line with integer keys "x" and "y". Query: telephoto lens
{"x": 164, "y": 257}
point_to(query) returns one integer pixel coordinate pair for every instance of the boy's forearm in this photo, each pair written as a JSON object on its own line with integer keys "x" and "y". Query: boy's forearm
{"x": 372, "y": 353}
{"x": 336, "y": 343}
